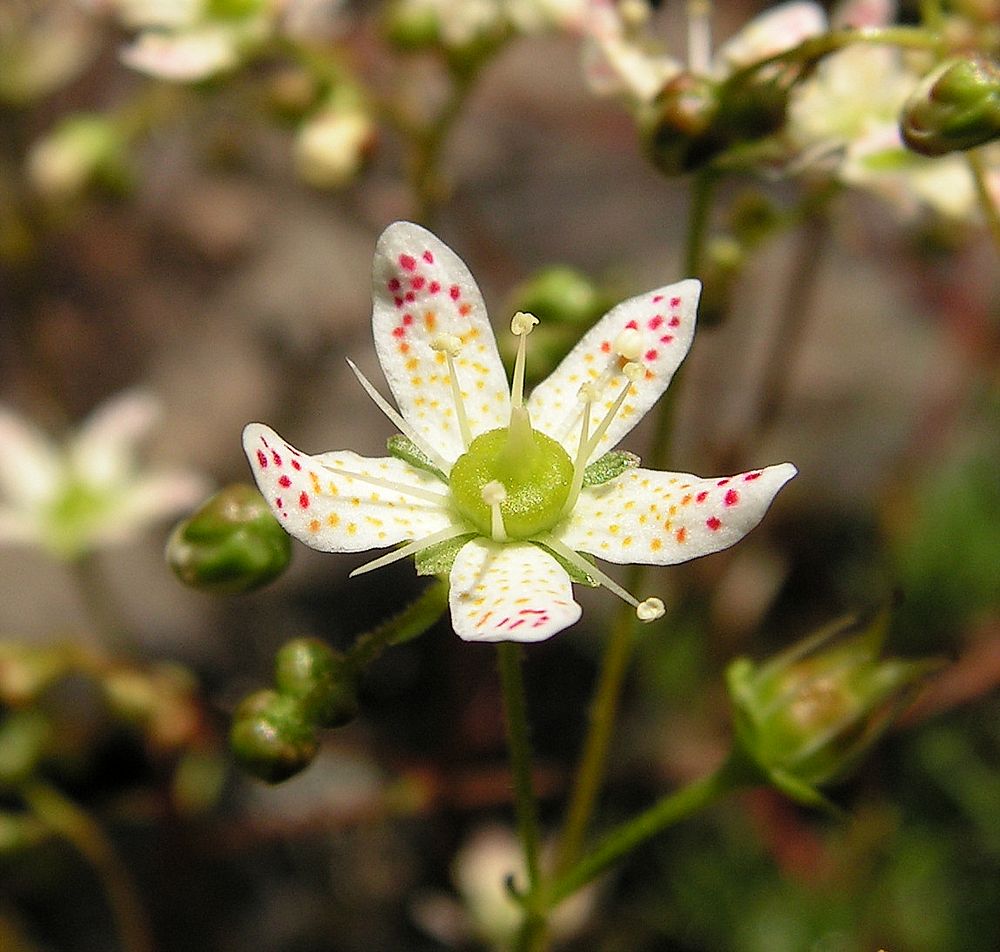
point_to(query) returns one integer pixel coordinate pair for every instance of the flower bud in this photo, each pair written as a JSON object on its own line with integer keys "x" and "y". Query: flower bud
{"x": 272, "y": 737}
{"x": 410, "y": 26}
{"x": 561, "y": 295}
{"x": 231, "y": 544}
{"x": 320, "y": 679}
{"x": 679, "y": 137}
{"x": 808, "y": 715}
{"x": 957, "y": 106}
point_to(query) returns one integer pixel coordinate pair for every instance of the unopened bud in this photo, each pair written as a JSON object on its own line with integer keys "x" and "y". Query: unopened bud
{"x": 957, "y": 106}
{"x": 231, "y": 544}
{"x": 272, "y": 737}
{"x": 678, "y": 138}
{"x": 807, "y": 716}
{"x": 320, "y": 678}
{"x": 561, "y": 295}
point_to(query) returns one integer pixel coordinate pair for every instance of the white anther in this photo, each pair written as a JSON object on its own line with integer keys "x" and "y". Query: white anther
{"x": 628, "y": 344}
{"x": 634, "y": 371}
{"x": 447, "y": 343}
{"x": 494, "y": 493}
{"x": 589, "y": 393}
{"x": 522, "y": 323}
{"x": 650, "y": 609}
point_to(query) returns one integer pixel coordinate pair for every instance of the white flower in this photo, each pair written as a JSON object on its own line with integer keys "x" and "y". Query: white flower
{"x": 619, "y": 59}
{"x": 504, "y": 493}
{"x": 330, "y": 146}
{"x": 89, "y": 493}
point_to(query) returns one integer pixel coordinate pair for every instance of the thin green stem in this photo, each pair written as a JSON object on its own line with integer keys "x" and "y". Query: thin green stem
{"x": 79, "y": 828}
{"x": 411, "y": 622}
{"x": 990, "y": 211}
{"x": 626, "y": 837}
{"x": 702, "y": 194}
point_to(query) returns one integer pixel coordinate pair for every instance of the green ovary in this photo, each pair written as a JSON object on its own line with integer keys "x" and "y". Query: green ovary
{"x": 534, "y": 469}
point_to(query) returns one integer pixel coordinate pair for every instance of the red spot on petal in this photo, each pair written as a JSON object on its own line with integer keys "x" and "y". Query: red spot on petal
{"x": 434, "y": 287}
{"x": 409, "y": 296}
{"x": 750, "y": 477}
{"x": 667, "y": 339}
{"x": 394, "y": 284}
{"x": 304, "y": 500}
{"x": 606, "y": 346}
{"x": 455, "y": 292}
{"x": 713, "y": 523}
{"x": 407, "y": 262}
{"x": 404, "y": 348}
{"x": 722, "y": 482}
{"x": 296, "y": 464}
{"x": 398, "y": 301}
{"x": 279, "y": 502}
{"x": 657, "y": 298}
{"x": 655, "y": 322}
{"x": 284, "y": 481}
{"x": 407, "y": 319}
{"x": 262, "y": 459}
{"x": 701, "y": 497}
{"x": 675, "y": 302}
{"x": 398, "y": 331}
{"x": 732, "y": 497}
{"x": 417, "y": 283}
{"x": 650, "y": 354}
{"x": 675, "y": 322}
{"x": 633, "y": 325}
{"x": 276, "y": 457}
{"x": 428, "y": 257}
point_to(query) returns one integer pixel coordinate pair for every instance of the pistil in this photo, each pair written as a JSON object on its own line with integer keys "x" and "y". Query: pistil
{"x": 494, "y": 493}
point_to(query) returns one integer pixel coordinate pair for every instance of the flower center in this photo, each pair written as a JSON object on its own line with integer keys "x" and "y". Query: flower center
{"x": 520, "y": 473}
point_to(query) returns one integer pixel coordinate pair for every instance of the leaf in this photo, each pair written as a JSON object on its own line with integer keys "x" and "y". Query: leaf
{"x": 608, "y": 467}
{"x": 405, "y": 449}
{"x": 438, "y": 559}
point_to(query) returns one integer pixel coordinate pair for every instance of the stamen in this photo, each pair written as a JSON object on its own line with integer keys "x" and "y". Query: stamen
{"x": 628, "y": 344}
{"x": 699, "y": 38}
{"x": 520, "y": 325}
{"x": 493, "y": 494}
{"x": 394, "y": 417}
{"x": 588, "y": 394}
{"x": 450, "y": 345}
{"x": 410, "y": 549}
{"x": 632, "y": 372}
{"x": 648, "y": 610}
{"x": 429, "y": 495}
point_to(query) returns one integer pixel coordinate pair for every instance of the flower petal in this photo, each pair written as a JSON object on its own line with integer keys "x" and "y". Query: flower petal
{"x": 656, "y": 518}
{"x": 421, "y": 290}
{"x": 335, "y": 513}
{"x": 510, "y": 592}
{"x": 150, "y": 497}
{"x": 773, "y": 32}
{"x": 664, "y": 321}
{"x": 102, "y": 453}
{"x": 31, "y": 468}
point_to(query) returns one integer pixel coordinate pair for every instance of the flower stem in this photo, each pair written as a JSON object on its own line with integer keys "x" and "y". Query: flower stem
{"x": 411, "y": 622}
{"x": 702, "y": 193}
{"x": 72, "y": 822}
{"x": 990, "y": 211}
{"x": 626, "y": 837}
{"x": 109, "y": 631}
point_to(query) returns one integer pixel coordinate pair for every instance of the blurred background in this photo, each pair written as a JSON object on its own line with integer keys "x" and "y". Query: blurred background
{"x": 199, "y": 262}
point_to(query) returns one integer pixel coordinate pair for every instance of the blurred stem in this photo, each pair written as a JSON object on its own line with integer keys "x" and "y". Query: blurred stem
{"x": 702, "y": 194}
{"x": 930, "y": 14}
{"x": 990, "y": 211}
{"x": 668, "y": 811}
{"x": 411, "y": 622}
{"x": 79, "y": 828}
{"x": 101, "y": 604}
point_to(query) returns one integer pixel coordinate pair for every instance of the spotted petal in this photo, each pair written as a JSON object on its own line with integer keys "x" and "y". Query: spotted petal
{"x": 664, "y": 320}
{"x": 512, "y": 592}
{"x": 336, "y": 513}
{"x": 658, "y": 518}
{"x": 422, "y": 290}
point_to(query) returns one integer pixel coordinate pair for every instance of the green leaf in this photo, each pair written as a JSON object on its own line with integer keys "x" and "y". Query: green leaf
{"x": 581, "y": 578}
{"x": 405, "y": 449}
{"x": 608, "y": 467}
{"x": 438, "y": 559}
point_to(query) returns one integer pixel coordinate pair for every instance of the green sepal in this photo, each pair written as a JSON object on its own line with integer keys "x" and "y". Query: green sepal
{"x": 438, "y": 559}
{"x": 609, "y": 466}
{"x": 575, "y": 574}
{"x": 404, "y": 448}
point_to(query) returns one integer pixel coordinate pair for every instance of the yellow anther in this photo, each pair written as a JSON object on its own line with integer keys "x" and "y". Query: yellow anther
{"x": 633, "y": 371}
{"x": 589, "y": 393}
{"x": 522, "y": 323}
{"x": 494, "y": 493}
{"x": 650, "y": 609}
{"x": 628, "y": 344}
{"x": 446, "y": 343}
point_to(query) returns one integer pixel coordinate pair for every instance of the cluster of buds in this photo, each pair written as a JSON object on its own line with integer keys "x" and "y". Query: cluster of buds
{"x": 275, "y": 731}
{"x": 231, "y": 544}
{"x": 807, "y": 716}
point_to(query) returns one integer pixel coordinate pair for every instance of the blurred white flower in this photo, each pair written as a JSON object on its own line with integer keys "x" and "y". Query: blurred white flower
{"x": 77, "y": 151}
{"x": 89, "y": 492}
{"x": 331, "y": 146}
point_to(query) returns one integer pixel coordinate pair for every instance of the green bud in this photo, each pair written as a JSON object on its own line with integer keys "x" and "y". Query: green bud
{"x": 957, "y": 106}
{"x": 82, "y": 150}
{"x": 231, "y": 544}
{"x": 24, "y": 737}
{"x": 560, "y": 295}
{"x": 320, "y": 678}
{"x": 272, "y": 737}
{"x": 807, "y": 717}
{"x": 678, "y": 136}
{"x": 410, "y": 26}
